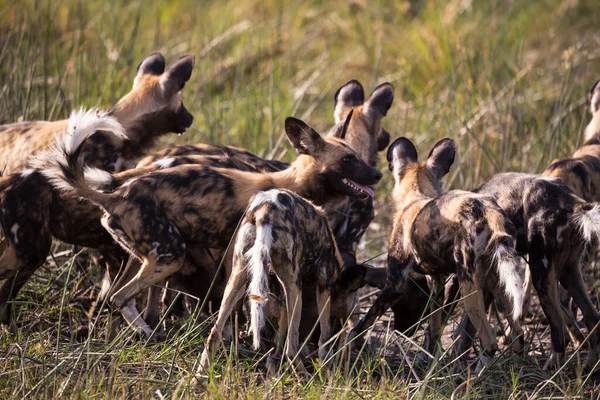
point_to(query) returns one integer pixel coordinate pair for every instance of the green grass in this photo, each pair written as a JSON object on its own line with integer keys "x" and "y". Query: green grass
{"x": 506, "y": 79}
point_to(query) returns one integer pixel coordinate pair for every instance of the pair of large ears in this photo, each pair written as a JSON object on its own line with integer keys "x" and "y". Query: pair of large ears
{"x": 174, "y": 78}
{"x": 352, "y": 95}
{"x": 302, "y": 137}
{"x": 403, "y": 152}
{"x": 595, "y": 97}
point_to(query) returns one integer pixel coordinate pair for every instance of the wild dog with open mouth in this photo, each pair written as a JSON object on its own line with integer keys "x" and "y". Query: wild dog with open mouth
{"x": 438, "y": 233}
{"x": 349, "y": 217}
{"x": 156, "y": 217}
{"x": 33, "y": 211}
{"x": 553, "y": 228}
{"x": 286, "y": 236}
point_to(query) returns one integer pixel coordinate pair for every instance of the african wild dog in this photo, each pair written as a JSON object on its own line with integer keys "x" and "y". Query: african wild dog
{"x": 348, "y": 217}
{"x": 553, "y": 228}
{"x": 581, "y": 174}
{"x": 438, "y": 233}
{"x": 156, "y": 217}
{"x": 152, "y": 108}
{"x": 33, "y": 211}
{"x": 287, "y": 236}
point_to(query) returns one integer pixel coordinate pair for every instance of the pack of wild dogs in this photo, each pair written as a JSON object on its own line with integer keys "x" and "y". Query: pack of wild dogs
{"x": 277, "y": 242}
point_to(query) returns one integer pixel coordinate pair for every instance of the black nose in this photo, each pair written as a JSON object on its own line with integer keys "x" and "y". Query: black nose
{"x": 377, "y": 176}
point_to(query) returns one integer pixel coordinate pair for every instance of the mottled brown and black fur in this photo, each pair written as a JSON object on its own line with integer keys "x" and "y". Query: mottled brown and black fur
{"x": 156, "y": 217}
{"x": 36, "y": 211}
{"x": 438, "y": 233}
{"x": 286, "y": 236}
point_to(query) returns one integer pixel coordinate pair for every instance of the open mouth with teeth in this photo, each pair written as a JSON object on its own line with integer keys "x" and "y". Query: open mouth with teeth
{"x": 358, "y": 187}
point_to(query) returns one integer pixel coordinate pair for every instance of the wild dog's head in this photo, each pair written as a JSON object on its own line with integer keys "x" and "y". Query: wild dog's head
{"x": 155, "y": 104}
{"x": 423, "y": 178}
{"x": 592, "y": 131}
{"x": 330, "y": 164}
{"x": 365, "y": 133}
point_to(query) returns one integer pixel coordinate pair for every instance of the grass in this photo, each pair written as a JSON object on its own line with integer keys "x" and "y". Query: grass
{"x": 506, "y": 79}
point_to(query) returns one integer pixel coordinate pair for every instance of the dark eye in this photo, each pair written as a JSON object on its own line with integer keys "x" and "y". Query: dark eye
{"x": 347, "y": 159}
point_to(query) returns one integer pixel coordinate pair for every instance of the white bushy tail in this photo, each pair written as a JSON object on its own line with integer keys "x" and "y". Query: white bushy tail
{"x": 588, "y": 221}
{"x": 507, "y": 264}
{"x": 259, "y": 259}
{"x": 63, "y": 164}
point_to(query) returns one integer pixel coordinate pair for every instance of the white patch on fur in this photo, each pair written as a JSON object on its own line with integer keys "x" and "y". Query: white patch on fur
{"x": 26, "y": 172}
{"x": 97, "y": 178}
{"x": 552, "y": 179}
{"x": 266, "y": 197}
{"x": 559, "y": 233}
{"x": 164, "y": 163}
{"x": 258, "y": 259}
{"x": 105, "y": 288}
{"x": 589, "y": 223}
{"x": 508, "y": 272}
{"x": 545, "y": 262}
{"x": 129, "y": 182}
{"x": 243, "y": 236}
{"x": 14, "y": 230}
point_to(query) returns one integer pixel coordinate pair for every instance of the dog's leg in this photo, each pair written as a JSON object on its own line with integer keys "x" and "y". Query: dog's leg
{"x": 151, "y": 273}
{"x": 234, "y": 291}
{"x": 465, "y": 330}
{"x": 382, "y": 303}
{"x": 544, "y": 280}
{"x": 432, "y": 336}
{"x": 573, "y": 282}
{"x": 21, "y": 260}
{"x": 324, "y": 310}
{"x": 515, "y": 333}
{"x": 274, "y": 359}
{"x": 527, "y": 287}
{"x": 293, "y": 301}
{"x": 569, "y": 309}
{"x": 475, "y": 307}
{"x": 152, "y": 312}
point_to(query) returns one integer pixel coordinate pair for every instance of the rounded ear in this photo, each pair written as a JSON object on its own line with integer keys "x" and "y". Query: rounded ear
{"x": 400, "y": 153}
{"x": 441, "y": 157}
{"x": 302, "y": 137}
{"x": 349, "y": 95}
{"x": 154, "y": 64}
{"x": 351, "y": 278}
{"x": 595, "y": 97}
{"x": 383, "y": 140}
{"x": 340, "y": 131}
{"x": 380, "y": 100}
{"x": 174, "y": 79}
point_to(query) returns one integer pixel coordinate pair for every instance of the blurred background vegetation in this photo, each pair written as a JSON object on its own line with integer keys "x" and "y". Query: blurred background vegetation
{"x": 507, "y": 79}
